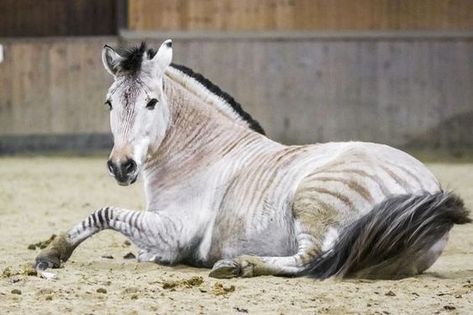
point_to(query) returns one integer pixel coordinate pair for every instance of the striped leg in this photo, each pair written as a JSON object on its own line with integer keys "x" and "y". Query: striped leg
{"x": 145, "y": 229}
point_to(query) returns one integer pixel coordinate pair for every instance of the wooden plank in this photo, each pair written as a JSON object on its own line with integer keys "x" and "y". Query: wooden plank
{"x": 58, "y": 88}
{"x": 54, "y": 86}
{"x": 293, "y": 15}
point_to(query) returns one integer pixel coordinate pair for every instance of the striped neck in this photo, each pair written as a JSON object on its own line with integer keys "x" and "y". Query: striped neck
{"x": 211, "y": 94}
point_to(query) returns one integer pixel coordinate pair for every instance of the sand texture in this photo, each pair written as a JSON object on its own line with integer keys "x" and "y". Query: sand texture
{"x": 42, "y": 196}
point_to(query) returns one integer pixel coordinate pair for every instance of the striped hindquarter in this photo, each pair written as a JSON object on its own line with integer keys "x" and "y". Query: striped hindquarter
{"x": 349, "y": 187}
{"x": 348, "y": 181}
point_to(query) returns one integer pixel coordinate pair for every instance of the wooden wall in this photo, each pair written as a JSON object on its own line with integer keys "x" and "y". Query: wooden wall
{"x": 404, "y": 92}
{"x": 53, "y": 86}
{"x": 290, "y": 15}
{"x": 31, "y": 18}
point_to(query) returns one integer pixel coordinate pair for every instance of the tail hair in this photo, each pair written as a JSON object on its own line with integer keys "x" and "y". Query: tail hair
{"x": 384, "y": 243}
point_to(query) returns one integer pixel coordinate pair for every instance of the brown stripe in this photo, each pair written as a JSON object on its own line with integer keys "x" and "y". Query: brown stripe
{"x": 362, "y": 191}
{"x": 337, "y": 195}
{"x": 374, "y": 178}
{"x": 288, "y": 152}
{"x": 270, "y": 177}
{"x": 307, "y": 203}
{"x": 250, "y": 183}
{"x": 233, "y": 144}
{"x": 417, "y": 179}
{"x": 401, "y": 182}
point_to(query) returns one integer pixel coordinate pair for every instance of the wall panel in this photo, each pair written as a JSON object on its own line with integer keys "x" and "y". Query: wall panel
{"x": 290, "y": 15}
{"x": 404, "y": 92}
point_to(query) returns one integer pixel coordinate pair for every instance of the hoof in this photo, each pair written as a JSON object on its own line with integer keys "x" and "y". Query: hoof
{"x": 225, "y": 269}
{"x": 58, "y": 251}
{"x": 48, "y": 258}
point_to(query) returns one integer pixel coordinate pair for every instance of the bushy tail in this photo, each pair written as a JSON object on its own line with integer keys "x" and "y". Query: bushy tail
{"x": 390, "y": 241}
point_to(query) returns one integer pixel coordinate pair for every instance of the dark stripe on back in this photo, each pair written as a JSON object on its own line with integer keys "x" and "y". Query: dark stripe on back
{"x": 334, "y": 194}
{"x": 374, "y": 178}
{"x": 401, "y": 182}
{"x": 362, "y": 191}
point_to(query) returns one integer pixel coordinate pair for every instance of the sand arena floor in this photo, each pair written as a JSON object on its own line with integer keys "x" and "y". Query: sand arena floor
{"x": 42, "y": 196}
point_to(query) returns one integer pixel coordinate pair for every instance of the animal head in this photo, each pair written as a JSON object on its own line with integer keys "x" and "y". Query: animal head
{"x": 139, "y": 111}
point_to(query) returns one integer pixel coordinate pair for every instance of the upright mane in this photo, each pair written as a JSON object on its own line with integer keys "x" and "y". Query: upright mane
{"x": 131, "y": 64}
{"x": 226, "y": 98}
{"x": 132, "y": 58}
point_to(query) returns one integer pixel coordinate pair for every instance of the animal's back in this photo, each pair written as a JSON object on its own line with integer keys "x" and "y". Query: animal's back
{"x": 360, "y": 176}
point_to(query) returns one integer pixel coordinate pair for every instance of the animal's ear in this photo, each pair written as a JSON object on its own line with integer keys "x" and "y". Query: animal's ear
{"x": 163, "y": 57}
{"x": 110, "y": 59}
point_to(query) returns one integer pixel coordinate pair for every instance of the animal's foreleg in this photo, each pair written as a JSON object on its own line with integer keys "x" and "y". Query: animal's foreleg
{"x": 136, "y": 225}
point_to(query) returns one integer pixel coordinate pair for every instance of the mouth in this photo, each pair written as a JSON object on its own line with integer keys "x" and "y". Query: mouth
{"x": 128, "y": 180}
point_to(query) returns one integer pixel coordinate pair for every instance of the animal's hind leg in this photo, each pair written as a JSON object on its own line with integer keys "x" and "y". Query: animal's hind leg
{"x": 309, "y": 247}
{"x": 252, "y": 266}
{"x": 136, "y": 225}
{"x": 313, "y": 219}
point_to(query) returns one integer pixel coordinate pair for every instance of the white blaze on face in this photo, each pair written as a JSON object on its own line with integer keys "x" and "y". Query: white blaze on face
{"x": 139, "y": 113}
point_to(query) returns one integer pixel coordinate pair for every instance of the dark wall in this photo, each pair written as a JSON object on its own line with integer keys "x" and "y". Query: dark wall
{"x": 32, "y": 18}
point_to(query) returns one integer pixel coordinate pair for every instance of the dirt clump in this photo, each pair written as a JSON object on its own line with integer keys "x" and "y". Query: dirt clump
{"x": 220, "y": 289}
{"x": 101, "y": 290}
{"x": 25, "y": 270}
{"x": 186, "y": 283}
{"x": 42, "y": 244}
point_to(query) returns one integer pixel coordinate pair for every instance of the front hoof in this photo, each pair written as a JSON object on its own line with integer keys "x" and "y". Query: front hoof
{"x": 225, "y": 269}
{"x": 48, "y": 258}
{"x": 58, "y": 251}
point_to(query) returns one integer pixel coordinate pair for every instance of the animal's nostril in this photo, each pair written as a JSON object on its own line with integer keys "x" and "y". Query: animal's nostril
{"x": 110, "y": 166}
{"x": 129, "y": 166}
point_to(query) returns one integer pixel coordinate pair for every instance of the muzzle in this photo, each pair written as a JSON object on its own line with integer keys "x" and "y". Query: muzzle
{"x": 125, "y": 172}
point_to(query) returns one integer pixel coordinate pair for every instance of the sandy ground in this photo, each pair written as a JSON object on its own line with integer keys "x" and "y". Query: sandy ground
{"x": 41, "y": 196}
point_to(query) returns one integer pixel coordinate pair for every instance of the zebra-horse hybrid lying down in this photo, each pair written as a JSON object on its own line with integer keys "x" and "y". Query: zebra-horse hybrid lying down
{"x": 220, "y": 194}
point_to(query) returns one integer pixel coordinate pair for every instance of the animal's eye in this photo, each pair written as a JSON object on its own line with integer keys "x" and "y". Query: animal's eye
{"x": 151, "y": 104}
{"x": 109, "y": 104}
